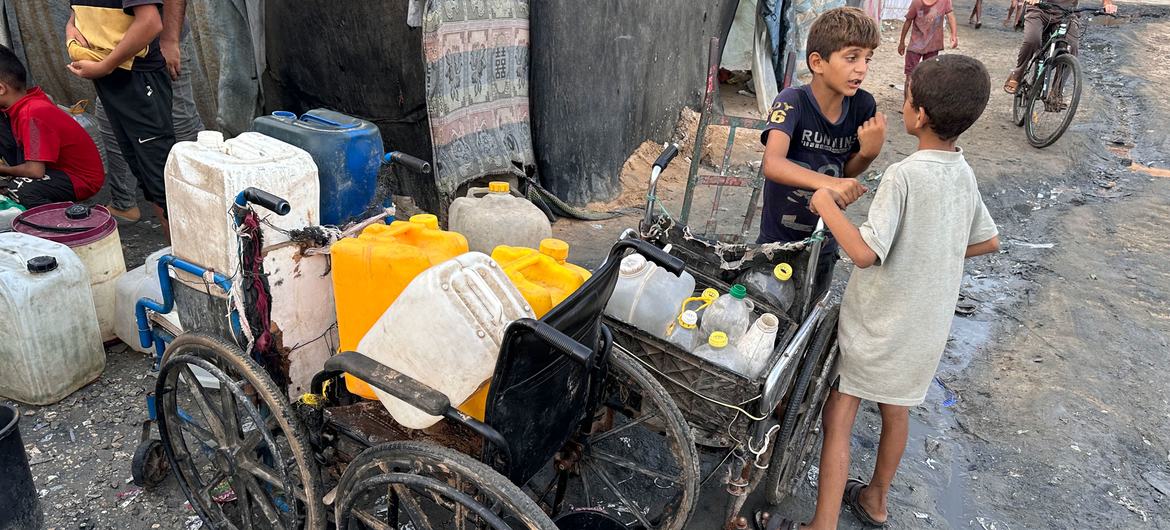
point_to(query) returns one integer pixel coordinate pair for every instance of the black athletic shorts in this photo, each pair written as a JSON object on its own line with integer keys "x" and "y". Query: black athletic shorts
{"x": 138, "y": 105}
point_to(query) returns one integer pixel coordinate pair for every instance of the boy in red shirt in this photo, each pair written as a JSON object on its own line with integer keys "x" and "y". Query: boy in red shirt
{"x": 47, "y": 156}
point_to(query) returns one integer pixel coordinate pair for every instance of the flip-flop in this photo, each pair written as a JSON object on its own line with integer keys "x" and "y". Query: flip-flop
{"x": 764, "y": 521}
{"x": 1011, "y": 85}
{"x": 852, "y": 499}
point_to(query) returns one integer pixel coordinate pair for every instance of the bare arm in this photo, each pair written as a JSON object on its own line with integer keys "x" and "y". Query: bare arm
{"x": 902, "y": 37}
{"x": 147, "y": 25}
{"x": 954, "y": 29}
{"x": 846, "y": 234}
{"x": 174, "y": 11}
{"x": 986, "y": 247}
{"x": 779, "y": 169}
{"x": 857, "y": 165}
{"x": 71, "y": 32}
{"x": 30, "y": 170}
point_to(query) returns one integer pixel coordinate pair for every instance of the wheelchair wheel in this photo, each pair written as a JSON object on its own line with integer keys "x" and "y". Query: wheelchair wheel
{"x": 638, "y": 462}
{"x": 238, "y": 453}
{"x": 800, "y": 426}
{"x": 422, "y": 486}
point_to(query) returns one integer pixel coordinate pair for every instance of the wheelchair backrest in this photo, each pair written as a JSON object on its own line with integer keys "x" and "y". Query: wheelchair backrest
{"x": 539, "y": 396}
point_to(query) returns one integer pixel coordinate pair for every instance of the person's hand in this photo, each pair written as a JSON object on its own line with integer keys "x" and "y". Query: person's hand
{"x": 1110, "y": 8}
{"x": 90, "y": 69}
{"x": 901, "y": 47}
{"x": 954, "y": 41}
{"x": 72, "y": 33}
{"x": 871, "y": 135}
{"x": 823, "y": 199}
{"x": 171, "y": 53}
{"x": 844, "y": 191}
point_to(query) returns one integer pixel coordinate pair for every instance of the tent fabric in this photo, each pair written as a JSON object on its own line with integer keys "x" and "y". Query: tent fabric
{"x": 799, "y": 17}
{"x": 476, "y": 57}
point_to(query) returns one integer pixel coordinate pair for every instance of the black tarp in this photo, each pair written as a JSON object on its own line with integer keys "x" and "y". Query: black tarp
{"x": 608, "y": 75}
{"x": 359, "y": 58}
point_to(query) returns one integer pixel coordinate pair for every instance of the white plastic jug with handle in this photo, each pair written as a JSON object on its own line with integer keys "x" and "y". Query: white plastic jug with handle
{"x": 647, "y": 296}
{"x": 445, "y": 331}
{"x": 730, "y": 313}
{"x": 492, "y": 216}
{"x": 757, "y": 344}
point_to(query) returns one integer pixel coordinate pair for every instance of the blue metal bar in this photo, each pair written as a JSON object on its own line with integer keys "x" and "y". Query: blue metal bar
{"x": 145, "y": 336}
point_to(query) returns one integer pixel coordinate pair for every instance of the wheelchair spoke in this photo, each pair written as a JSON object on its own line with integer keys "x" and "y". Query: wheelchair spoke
{"x": 632, "y": 466}
{"x": 410, "y": 505}
{"x": 612, "y": 432}
{"x": 242, "y": 501}
{"x": 621, "y": 496}
{"x": 262, "y": 472}
{"x": 372, "y": 521}
{"x": 231, "y": 420}
{"x": 253, "y": 438}
{"x": 203, "y": 402}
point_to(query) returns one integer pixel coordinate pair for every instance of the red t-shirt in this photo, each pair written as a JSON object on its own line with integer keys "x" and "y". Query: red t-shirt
{"x": 50, "y": 135}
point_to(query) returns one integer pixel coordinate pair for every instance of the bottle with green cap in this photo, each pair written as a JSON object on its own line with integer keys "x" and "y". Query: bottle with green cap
{"x": 719, "y": 350}
{"x": 771, "y": 283}
{"x": 731, "y": 313}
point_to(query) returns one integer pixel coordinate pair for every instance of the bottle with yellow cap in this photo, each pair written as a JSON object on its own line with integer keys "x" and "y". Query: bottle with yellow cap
{"x": 493, "y": 216}
{"x": 719, "y": 350}
{"x": 372, "y": 269}
{"x": 730, "y": 313}
{"x": 685, "y": 331}
{"x": 772, "y": 284}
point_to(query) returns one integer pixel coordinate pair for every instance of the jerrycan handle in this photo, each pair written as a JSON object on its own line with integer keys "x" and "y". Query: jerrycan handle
{"x": 326, "y": 121}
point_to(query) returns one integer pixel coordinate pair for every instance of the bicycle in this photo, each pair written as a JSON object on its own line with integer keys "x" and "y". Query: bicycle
{"x": 1047, "y": 81}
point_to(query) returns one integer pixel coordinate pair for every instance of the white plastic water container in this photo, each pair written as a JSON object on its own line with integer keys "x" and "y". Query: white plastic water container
{"x": 757, "y": 344}
{"x": 203, "y": 179}
{"x": 50, "y": 345}
{"x": 136, "y": 284}
{"x": 492, "y": 216}
{"x": 731, "y": 313}
{"x": 445, "y": 331}
{"x": 647, "y": 296}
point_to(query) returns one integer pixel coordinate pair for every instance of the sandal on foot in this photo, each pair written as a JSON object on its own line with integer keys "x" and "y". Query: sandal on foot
{"x": 1011, "y": 85}
{"x": 853, "y": 500}
{"x": 764, "y": 521}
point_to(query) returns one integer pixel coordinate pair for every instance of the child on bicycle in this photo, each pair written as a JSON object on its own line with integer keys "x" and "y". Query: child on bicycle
{"x": 1037, "y": 22}
{"x": 924, "y": 23}
{"x": 926, "y": 217}
{"x": 823, "y": 134}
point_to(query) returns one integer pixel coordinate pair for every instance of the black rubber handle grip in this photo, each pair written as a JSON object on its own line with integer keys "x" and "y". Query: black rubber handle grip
{"x": 417, "y": 164}
{"x": 671, "y": 263}
{"x": 267, "y": 200}
{"x": 553, "y": 337}
{"x": 666, "y": 156}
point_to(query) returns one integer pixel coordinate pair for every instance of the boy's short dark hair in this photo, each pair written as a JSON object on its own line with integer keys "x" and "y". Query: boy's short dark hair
{"x": 841, "y": 28}
{"x": 12, "y": 72}
{"x": 954, "y": 90}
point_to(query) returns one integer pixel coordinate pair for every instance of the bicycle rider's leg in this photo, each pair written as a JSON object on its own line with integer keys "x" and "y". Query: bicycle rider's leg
{"x": 1035, "y": 21}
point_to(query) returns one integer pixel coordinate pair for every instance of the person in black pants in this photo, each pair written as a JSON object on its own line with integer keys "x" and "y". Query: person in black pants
{"x": 128, "y": 71}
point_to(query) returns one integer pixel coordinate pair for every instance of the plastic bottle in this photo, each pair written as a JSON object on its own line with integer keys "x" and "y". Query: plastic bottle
{"x": 647, "y": 296}
{"x": 718, "y": 350}
{"x": 772, "y": 284}
{"x": 685, "y": 330}
{"x": 730, "y": 313}
{"x": 757, "y": 344}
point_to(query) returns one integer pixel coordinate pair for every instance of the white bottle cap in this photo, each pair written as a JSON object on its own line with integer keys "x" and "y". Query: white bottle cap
{"x": 633, "y": 265}
{"x": 210, "y": 140}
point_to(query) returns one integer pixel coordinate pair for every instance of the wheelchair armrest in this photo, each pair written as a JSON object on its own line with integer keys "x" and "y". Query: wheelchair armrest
{"x": 559, "y": 341}
{"x": 390, "y": 381}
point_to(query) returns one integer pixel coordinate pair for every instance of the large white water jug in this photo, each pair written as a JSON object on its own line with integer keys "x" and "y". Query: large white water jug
{"x": 445, "y": 331}
{"x": 50, "y": 345}
{"x": 647, "y": 296}
{"x": 203, "y": 179}
{"x": 492, "y": 216}
{"x": 136, "y": 284}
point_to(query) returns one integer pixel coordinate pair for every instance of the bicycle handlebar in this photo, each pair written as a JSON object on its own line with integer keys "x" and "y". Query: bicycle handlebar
{"x": 1077, "y": 11}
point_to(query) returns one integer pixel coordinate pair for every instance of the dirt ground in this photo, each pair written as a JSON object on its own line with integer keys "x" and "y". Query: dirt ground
{"x": 1051, "y": 408}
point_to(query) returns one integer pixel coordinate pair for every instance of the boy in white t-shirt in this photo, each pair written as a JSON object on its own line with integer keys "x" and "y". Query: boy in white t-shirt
{"x": 926, "y": 218}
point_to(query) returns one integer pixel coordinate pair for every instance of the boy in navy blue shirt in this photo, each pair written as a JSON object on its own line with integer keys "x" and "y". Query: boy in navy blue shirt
{"x": 823, "y": 134}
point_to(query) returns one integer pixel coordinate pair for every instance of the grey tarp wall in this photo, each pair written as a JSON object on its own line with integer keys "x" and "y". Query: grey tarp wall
{"x": 359, "y": 58}
{"x": 226, "y": 97}
{"x": 609, "y": 74}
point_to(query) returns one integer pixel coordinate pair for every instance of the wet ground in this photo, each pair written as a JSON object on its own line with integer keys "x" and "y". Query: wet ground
{"x": 1050, "y": 409}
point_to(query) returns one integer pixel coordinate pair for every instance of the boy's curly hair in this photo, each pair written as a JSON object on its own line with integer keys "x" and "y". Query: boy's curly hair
{"x": 841, "y": 28}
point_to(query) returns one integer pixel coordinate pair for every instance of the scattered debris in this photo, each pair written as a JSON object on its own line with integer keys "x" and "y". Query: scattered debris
{"x": 921, "y": 515}
{"x": 814, "y": 476}
{"x": 1159, "y": 480}
{"x": 1025, "y": 244}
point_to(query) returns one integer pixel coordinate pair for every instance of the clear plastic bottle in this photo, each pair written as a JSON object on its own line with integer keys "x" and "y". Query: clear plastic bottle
{"x": 757, "y": 344}
{"x": 730, "y": 313}
{"x": 719, "y": 351}
{"x": 685, "y": 330}
{"x": 772, "y": 284}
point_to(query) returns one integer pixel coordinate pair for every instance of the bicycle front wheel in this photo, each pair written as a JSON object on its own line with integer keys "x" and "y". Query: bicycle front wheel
{"x": 1053, "y": 103}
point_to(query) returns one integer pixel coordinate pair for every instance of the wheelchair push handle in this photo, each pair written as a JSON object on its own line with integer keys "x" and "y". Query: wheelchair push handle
{"x": 264, "y": 200}
{"x": 667, "y": 155}
{"x": 403, "y": 159}
{"x": 629, "y": 239}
